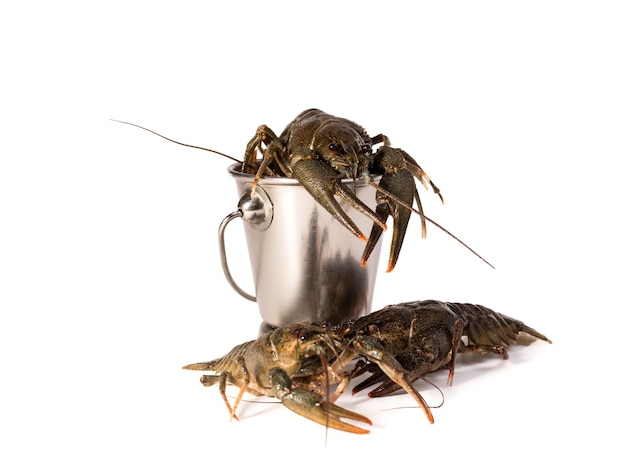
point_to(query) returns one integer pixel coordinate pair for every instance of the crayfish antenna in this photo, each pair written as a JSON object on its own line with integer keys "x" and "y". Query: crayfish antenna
{"x": 177, "y": 142}
{"x": 431, "y": 221}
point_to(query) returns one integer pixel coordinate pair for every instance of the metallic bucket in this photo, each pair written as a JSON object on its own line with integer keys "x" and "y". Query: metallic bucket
{"x": 306, "y": 265}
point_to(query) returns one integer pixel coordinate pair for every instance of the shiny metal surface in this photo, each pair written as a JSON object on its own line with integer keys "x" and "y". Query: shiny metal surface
{"x": 305, "y": 264}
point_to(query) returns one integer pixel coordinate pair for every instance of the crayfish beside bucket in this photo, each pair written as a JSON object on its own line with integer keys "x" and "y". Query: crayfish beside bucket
{"x": 306, "y": 266}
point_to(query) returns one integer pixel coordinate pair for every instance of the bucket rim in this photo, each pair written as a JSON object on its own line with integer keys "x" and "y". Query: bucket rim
{"x": 286, "y": 181}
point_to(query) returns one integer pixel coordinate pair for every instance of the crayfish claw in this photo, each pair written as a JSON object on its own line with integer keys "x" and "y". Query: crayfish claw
{"x": 313, "y": 406}
{"x": 375, "y": 353}
{"x": 321, "y": 181}
{"x": 394, "y": 197}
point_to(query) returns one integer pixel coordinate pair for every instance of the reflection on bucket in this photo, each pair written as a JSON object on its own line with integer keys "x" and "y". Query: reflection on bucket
{"x": 305, "y": 264}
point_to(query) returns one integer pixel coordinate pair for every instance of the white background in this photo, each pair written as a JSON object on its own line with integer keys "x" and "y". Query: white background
{"x": 110, "y": 278}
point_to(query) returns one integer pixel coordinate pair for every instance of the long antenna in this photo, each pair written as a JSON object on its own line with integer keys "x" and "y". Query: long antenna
{"x": 371, "y": 182}
{"x": 433, "y": 222}
{"x": 179, "y": 143}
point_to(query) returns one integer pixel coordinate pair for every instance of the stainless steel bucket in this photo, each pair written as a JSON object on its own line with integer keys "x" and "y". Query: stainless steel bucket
{"x": 305, "y": 264}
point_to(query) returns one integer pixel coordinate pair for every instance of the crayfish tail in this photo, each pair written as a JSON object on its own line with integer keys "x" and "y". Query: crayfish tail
{"x": 532, "y": 332}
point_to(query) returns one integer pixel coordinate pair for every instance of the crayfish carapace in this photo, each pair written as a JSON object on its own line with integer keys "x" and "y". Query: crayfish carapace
{"x": 398, "y": 345}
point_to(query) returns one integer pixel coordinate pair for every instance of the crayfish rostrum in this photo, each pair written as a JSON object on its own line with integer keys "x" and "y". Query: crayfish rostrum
{"x": 398, "y": 345}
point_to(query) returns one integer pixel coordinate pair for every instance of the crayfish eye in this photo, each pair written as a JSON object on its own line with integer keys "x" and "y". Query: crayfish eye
{"x": 303, "y": 335}
{"x": 334, "y": 147}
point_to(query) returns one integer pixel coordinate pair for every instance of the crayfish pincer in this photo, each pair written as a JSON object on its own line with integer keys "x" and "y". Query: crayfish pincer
{"x": 319, "y": 150}
{"x": 289, "y": 363}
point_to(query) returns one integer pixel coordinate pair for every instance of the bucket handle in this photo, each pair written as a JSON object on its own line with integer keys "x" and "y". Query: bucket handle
{"x": 257, "y": 210}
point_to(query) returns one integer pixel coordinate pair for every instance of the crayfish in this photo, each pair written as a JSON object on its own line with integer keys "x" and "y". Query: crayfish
{"x": 398, "y": 345}
{"x": 319, "y": 149}
{"x": 289, "y": 363}
{"x": 402, "y": 343}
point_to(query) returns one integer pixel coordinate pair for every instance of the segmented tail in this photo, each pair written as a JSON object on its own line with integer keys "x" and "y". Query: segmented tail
{"x": 487, "y": 329}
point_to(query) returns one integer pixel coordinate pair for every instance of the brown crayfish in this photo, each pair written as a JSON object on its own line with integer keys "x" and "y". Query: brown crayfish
{"x": 289, "y": 363}
{"x": 319, "y": 150}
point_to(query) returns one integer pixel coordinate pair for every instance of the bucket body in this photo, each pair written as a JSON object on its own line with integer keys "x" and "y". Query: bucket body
{"x": 305, "y": 264}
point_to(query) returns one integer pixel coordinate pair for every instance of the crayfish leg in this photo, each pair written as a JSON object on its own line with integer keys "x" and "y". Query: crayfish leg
{"x": 341, "y": 387}
{"x": 381, "y": 138}
{"x": 223, "y": 378}
{"x": 242, "y": 388}
{"x": 459, "y": 326}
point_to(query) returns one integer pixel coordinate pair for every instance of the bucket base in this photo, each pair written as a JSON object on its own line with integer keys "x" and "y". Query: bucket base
{"x": 265, "y": 328}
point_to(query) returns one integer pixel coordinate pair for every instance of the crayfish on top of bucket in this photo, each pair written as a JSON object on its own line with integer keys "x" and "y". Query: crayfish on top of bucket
{"x": 398, "y": 345}
{"x": 319, "y": 150}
